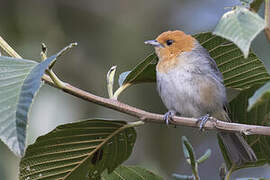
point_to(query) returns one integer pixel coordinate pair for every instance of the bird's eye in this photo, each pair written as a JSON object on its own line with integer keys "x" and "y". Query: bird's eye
{"x": 169, "y": 42}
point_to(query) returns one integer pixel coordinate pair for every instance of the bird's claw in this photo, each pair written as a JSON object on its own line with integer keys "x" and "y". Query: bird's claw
{"x": 168, "y": 116}
{"x": 202, "y": 121}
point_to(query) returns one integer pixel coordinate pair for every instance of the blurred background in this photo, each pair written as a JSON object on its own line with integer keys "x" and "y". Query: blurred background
{"x": 112, "y": 33}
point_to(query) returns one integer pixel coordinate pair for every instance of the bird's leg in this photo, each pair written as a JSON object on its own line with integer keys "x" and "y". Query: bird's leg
{"x": 202, "y": 120}
{"x": 168, "y": 116}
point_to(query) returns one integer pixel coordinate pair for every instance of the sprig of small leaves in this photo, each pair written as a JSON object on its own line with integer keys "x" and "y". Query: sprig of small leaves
{"x": 191, "y": 160}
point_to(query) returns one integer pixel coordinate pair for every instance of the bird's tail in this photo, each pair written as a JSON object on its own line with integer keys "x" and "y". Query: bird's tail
{"x": 238, "y": 149}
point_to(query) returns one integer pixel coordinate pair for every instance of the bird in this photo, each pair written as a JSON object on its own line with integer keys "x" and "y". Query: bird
{"x": 191, "y": 85}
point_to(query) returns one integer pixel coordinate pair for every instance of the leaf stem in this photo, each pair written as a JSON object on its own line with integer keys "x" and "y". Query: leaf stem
{"x": 196, "y": 173}
{"x": 229, "y": 173}
{"x": 135, "y": 124}
{"x": 60, "y": 84}
{"x": 120, "y": 90}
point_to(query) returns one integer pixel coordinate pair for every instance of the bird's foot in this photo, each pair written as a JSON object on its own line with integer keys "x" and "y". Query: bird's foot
{"x": 168, "y": 116}
{"x": 202, "y": 121}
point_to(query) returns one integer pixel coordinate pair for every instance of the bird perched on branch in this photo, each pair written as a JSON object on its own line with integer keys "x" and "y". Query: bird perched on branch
{"x": 190, "y": 84}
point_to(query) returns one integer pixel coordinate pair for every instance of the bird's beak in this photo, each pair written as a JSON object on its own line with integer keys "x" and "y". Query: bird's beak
{"x": 154, "y": 43}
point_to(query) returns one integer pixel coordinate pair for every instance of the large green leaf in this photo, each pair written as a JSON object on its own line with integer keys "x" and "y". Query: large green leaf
{"x": 130, "y": 173}
{"x": 19, "y": 82}
{"x": 240, "y": 26}
{"x": 237, "y": 71}
{"x": 15, "y": 96}
{"x": 81, "y": 150}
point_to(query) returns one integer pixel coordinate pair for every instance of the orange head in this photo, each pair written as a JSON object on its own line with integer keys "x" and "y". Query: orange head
{"x": 171, "y": 44}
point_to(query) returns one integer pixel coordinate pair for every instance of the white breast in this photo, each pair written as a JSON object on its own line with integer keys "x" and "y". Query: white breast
{"x": 181, "y": 90}
{"x": 176, "y": 89}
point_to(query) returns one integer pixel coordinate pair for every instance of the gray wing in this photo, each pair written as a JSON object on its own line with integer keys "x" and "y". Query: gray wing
{"x": 218, "y": 75}
{"x": 215, "y": 69}
{"x": 220, "y": 79}
{"x": 211, "y": 62}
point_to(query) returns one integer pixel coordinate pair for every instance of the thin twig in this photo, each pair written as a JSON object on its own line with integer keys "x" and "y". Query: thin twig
{"x": 214, "y": 124}
{"x": 8, "y": 49}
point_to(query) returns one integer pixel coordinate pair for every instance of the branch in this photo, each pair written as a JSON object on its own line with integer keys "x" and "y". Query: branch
{"x": 214, "y": 124}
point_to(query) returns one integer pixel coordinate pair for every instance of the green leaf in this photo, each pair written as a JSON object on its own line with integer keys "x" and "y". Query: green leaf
{"x": 238, "y": 72}
{"x": 258, "y": 114}
{"x": 189, "y": 152}
{"x": 16, "y": 96}
{"x": 20, "y": 80}
{"x": 240, "y": 26}
{"x": 204, "y": 157}
{"x": 130, "y": 173}
{"x": 182, "y": 177}
{"x": 81, "y": 150}
{"x": 143, "y": 72}
{"x": 191, "y": 159}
